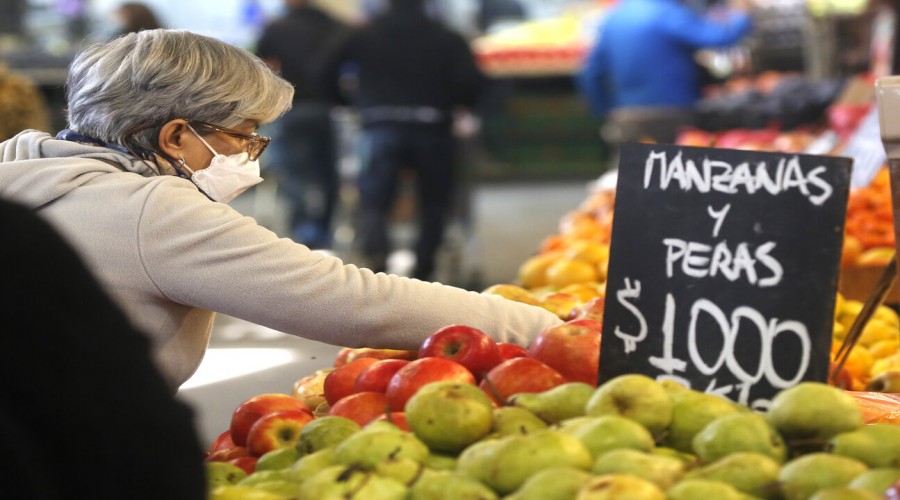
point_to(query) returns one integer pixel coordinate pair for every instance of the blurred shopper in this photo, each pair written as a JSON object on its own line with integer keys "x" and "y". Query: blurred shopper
{"x": 22, "y": 106}
{"x": 161, "y": 136}
{"x": 304, "y": 147}
{"x": 132, "y": 17}
{"x": 641, "y": 75}
{"x": 491, "y": 12}
{"x": 84, "y": 412}
{"x": 412, "y": 73}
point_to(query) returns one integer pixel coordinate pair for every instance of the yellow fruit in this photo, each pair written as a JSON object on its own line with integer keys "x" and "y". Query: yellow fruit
{"x": 888, "y": 315}
{"x": 560, "y": 304}
{"x": 849, "y": 311}
{"x": 838, "y": 304}
{"x": 566, "y": 272}
{"x": 512, "y": 292}
{"x": 588, "y": 251}
{"x": 839, "y": 332}
{"x": 533, "y": 272}
{"x": 584, "y": 291}
{"x": 884, "y": 348}
{"x": 890, "y": 363}
{"x": 879, "y": 256}
{"x": 876, "y": 330}
{"x": 859, "y": 362}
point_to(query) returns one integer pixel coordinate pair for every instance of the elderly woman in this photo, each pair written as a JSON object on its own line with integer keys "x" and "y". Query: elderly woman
{"x": 161, "y": 136}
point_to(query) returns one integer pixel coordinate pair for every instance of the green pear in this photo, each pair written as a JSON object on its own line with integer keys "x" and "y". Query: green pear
{"x": 264, "y": 476}
{"x": 369, "y": 447}
{"x": 673, "y": 387}
{"x": 661, "y": 470}
{"x": 845, "y": 493}
{"x": 803, "y": 476}
{"x": 516, "y": 458}
{"x": 689, "y": 459}
{"x": 876, "y": 480}
{"x": 559, "y": 403}
{"x": 611, "y": 432}
{"x": 633, "y": 396}
{"x": 619, "y": 487}
{"x": 308, "y": 465}
{"x": 691, "y": 412}
{"x": 325, "y": 432}
{"x": 752, "y": 473}
{"x": 447, "y": 485}
{"x": 222, "y": 473}
{"x": 338, "y": 481}
{"x": 813, "y": 411}
{"x": 703, "y": 489}
{"x": 440, "y": 461}
{"x": 876, "y": 445}
{"x": 403, "y": 470}
{"x": 739, "y": 432}
{"x": 552, "y": 483}
{"x": 287, "y": 489}
{"x": 279, "y": 458}
{"x": 235, "y": 492}
{"x": 473, "y": 461}
{"x": 448, "y": 416}
{"x": 513, "y": 420}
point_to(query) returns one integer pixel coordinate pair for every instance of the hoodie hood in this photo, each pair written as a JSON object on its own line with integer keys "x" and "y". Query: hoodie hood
{"x": 36, "y": 168}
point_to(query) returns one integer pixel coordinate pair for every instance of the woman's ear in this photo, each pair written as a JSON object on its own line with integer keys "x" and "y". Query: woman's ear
{"x": 172, "y": 137}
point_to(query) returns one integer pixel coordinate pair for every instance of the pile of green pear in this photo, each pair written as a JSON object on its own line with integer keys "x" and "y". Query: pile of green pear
{"x": 630, "y": 438}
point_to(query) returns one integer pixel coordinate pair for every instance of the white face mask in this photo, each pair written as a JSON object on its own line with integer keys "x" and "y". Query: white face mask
{"x": 226, "y": 176}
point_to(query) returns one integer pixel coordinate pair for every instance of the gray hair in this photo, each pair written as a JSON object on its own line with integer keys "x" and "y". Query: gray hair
{"x": 123, "y": 91}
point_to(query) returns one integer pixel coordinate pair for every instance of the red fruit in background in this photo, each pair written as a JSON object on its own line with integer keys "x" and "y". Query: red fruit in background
{"x": 465, "y": 345}
{"x": 248, "y": 412}
{"x": 423, "y": 371}
{"x": 519, "y": 375}
{"x": 341, "y": 381}
{"x": 279, "y": 429}
{"x": 361, "y": 407}
{"x": 349, "y": 354}
{"x": 221, "y": 442}
{"x": 510, "y": 351}
{"x": 376, "y": 376}
{"x": 397, "y": 418}
{"x": 571, "y": 349}
{"x": 226, "y": 454}
{"x": 246, "y": 463}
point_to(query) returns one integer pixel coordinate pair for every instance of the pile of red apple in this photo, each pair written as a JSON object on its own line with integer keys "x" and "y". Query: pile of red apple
{"x": 367, "y": 385}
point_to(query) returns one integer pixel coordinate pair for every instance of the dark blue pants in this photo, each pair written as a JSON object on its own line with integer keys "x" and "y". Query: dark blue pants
{"x": 386, "y": 149}
{"x": 303, "y": 154}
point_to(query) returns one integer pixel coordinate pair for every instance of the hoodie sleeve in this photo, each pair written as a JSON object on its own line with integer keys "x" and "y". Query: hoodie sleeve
{"x": 593, "y": 80}
{"x": 205, "y": 254}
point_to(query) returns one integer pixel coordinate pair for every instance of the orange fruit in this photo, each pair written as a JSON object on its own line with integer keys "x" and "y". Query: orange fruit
{"x": 851, "y": 250}
{"x": 560, "y": 304}
{"x": 588, "y": 251}
{"x": 533, "y": 272}
{"x": 512, "y": 292}
{"x": 566, "y": 272}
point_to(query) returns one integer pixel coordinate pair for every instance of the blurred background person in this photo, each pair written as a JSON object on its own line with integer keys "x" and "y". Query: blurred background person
{"x": 304, "y": 151}
{"x": 131, "y": 17}
{"x": 22, "y": 106}
{"x": 413, "y": 73}
{"x": 491, "y": 12}
{"x": 641, "y": 75}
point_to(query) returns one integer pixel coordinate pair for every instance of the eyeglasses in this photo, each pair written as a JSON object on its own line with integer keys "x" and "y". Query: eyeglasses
{"x": 256, "y": 143}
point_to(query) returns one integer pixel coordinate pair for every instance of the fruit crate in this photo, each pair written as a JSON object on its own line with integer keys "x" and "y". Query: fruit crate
{"x": 857, "y": 283}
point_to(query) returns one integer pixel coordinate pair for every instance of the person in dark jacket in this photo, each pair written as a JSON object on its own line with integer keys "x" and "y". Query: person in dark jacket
{"x": 412, "y": 73}
{"x": 84, "y": 412}
{"x": 304, "y": 152}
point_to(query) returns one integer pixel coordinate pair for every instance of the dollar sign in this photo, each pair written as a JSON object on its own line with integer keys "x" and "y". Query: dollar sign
{"x": 631, "y": 291}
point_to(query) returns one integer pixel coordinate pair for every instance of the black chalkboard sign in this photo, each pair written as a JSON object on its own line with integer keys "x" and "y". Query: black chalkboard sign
{"x": 723, "y": 268}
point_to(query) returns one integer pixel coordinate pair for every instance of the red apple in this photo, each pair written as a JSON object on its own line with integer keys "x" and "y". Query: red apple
{"x": 279, "y": 429}
{"x": 397, "y": 418}
{"x": 341, "y": 381}
{"x": 348, "y": 354}
{"x": 246, "y": 463}
{"x": 376, "y": 376}
{"x": 509, "y": 350}
{"x": 592, "y": 310}
{"x": 361, "y": 407}
{"x": 423, "y": 371}
{"x": 248, "y": 412}
{"x": 518, "y": 375}
{"x": 221, "y": 442}
{"x": 465, "y": 345}
{"x": 571, "y": 349}
{"x": 893, "y": 492}
{"x": 226, "y": 454}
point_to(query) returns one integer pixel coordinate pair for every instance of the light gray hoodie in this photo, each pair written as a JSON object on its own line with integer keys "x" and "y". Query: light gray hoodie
{"x": 170, "y": 257}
